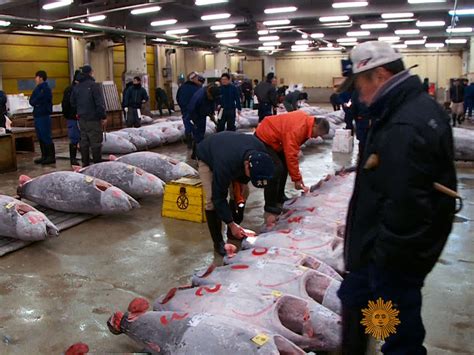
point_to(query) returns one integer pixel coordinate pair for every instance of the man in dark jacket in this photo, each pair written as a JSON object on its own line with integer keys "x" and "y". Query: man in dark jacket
{"x": 229, "y": 102}
{"x": 183, "y": 96}
{"x": 361, "y": 114}
{"x": 244, "y": 159}
{"x": 456, "y": 95}
{"x": 293, "y": 98}
{"x": 42, "y": 101}
{"x": 247, "y": 91}
{"x": 88, "y": 101}
{"x": 70, "y": 115}
{"x": 3, "y": 109}
{"x": 398, "y": 222}
{"x": 469, "y": 100}
{"x": 267, "y": 97}
{"x": 162, "y": 100}
{"x": 135, "y": 97}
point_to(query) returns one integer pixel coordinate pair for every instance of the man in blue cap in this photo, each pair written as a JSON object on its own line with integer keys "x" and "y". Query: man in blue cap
{"x": 244, "y": 159}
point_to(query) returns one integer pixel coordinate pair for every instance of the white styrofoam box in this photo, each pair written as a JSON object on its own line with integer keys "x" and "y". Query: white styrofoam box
{"x": 342, "y": 144}
{"x": 343, "y": 133}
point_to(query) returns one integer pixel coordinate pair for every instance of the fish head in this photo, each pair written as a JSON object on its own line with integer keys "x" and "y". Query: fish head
{"x": 183, "y": 169}
{"x": 30, "y": 223}
{"x": 113, "y": 199}
{"x": 149, "y": 184}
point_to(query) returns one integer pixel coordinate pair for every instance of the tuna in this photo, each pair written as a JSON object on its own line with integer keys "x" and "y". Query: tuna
{"x": 19, "y": 220}
{"x": 164, "y": 167}
{"x": 152, "y": 138}
{"x": 305, "y": 323}
{"x": 77, "y": 193}
{"x": 133, "y": 138}
{"x": 281, "y": 256}
{"x": 463, "y": 144}
{"x": 290, "y": 279}
{"x": 115, "y": 144}
{"x": 134, "y": 181}
{"x": 180, "y": 333}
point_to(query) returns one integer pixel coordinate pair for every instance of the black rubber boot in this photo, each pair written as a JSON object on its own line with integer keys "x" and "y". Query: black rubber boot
{"x": 96, "y": 155}
{"x": 73, "y": 154}
{"x": 85, "y": 157}
{"x": 215, "y": 228}
{"x": 43, "y": 154}
{"x": 454, "y": 120}
{"x": 50, "y": 154}
{"x": 193, "y": 154}
{"x": 189, "y": 141}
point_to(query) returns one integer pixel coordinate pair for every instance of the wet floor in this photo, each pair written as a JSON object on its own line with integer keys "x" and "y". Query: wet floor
{"x": 61, "y": 291}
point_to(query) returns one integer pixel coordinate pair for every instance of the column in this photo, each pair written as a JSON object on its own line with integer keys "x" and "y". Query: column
{"x": 470, "y": 60}
{"x": 135, "y": 59}
{"x": 221, "y": 62}
{"x": 269, "y": 64}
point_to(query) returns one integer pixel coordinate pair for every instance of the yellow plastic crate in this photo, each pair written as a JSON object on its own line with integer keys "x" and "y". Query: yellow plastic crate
{"x": 184, "y": 199}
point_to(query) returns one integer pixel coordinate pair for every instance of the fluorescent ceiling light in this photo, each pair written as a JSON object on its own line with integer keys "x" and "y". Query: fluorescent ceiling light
{"x": 276, "y": 22}
{"x": 44, "y": 27}
{"x": 229, "y": 26}
{"x": 208, "y": 2}
{"x": 145, "y": 10}
{"x": 330, "y": 48}
{"x": 459, "y": 29}
{"x": 304, "y": 41}
{"x": 389, "y": 39}
{"x": 271, "y": 44}
{"x": 299, "y": 46}
{"x": 461, "y": 12}
{"x": 164, "y": 22}
{"x": 317, "y": 35}
{"x": 230, "y": 41}
{"x": 226, "y": 34}
{"x": 304, "y": 36}
{"x": 434, "y": 45}
{"x": 407, "y": 32}
{"x": 268, "y": 38}
{"x": 215, "y": 17}
{"x": 96, "y": 18}
{"x": 399, "y": 46}
{"x": 373, "y": 26}
{"x": 397, "y": 20}
{"x": 424, "y": 1}
{"x": 397, "y": 15}
{"x": 358, "y": 33}
{"x": 334, "y": 18}
{"x": 338, "y": 24}
{"x": 456, "y": 41}
{"x": 262, "y": 32}
{"x": 350, "y": 44}
{"x": 415, "y": 42}
{"x": 342, "y": 5}
{"x": 5, "y": 23}
{"x": 342, "y": 40}
{"x": 56, "y": 4}
{"x": 159, "y": 39}
{"x": 75, "y": 31}
{"x": 430, "y": 23}
{"x": 181, "y": 42}
{"x": 264, "y": 48}
{"x": 299, "y": 49}
{"x": 179, "y": 31}
{"x": 279, "y": 10}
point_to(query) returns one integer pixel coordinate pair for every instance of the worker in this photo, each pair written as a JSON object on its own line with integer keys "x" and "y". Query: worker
{"x": 3, "y": 109}
{"x": 42, "y": 101}
{"x": 361, "y": 115}
{"x": 469, "y": 99}
{"x": 162, "y": 100}
{"x": 183, "y": 96}
{"x": 346, "y": 103}
{"x": 229, "y": 102}
{"x": 247, "y": 91}
{"x": 267, "y": 97}
{"x": 88, "y": 101}
{"x": 335, "y": 101}
{"x": 456, "y": 95}
{"x": 397, "y": 222}
{"x": 293, "y": 99}
{"x": 283, "y": 136}
{"x": 135, "y": 97}
{"x": 426, "y": 85}
{"x": 201, "y": 105}
{"x": 244, "y": 159}
{"x": 128, "y": 85}
{"x": 70, "y": 114}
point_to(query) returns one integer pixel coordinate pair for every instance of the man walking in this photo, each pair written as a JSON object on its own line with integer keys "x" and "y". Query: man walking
{"x": 42, "y": 101}
{"x": 183, "y": 96}
{"x": 162, "y": 100}
{"x": 135, "y": 97}
{"x": 229, "y": 102}
{"x": 397, "y": 223}
{"x": 88, "y": 101}
{"x": 267, "y": 97}
{"x": 456, "y": 95}
{"x": 70, "y": 114}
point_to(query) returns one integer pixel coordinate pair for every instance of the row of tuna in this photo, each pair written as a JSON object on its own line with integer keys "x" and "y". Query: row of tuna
{"x": 275, "y": 296}
{"x": 105, "y": 188}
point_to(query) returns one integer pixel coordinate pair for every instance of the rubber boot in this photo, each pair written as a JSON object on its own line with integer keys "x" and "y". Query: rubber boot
{"x": 97, "y": 155}
{"x": 193, "y": 154}
{"x": 85, "y": 157}
{"x": 189, "y": 141}
{"x": 50, "y": 154}
{"x": 43, "y": 154}
{"x": 454, "y": 120}
{"x": 215, "y": 228}
{"x": 73, "y": 154}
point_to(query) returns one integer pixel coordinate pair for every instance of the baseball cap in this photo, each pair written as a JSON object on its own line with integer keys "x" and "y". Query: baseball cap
{"x": 261, "y": 168}
{"x": 366, "y": 56}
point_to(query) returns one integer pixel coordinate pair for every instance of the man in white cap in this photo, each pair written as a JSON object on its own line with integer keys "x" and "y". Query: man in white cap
{"x": 398, "y": 222}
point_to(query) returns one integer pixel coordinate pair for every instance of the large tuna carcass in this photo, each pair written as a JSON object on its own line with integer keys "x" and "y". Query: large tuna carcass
{"x": 305, "y": 323}
{"x": 134, "y": 138}
{"x": 19, "y": 220}
{"x": 76, "y": 193}
{"x": 183, "y": 333}
{"x": 291, "y": 279}
{"x": 324, "y": 247}
{"x": 171, "y": 134}
{"x": 134, "y": 181}
{"x": 145, "y": 120}
{"x": 152, "y": 138}
{"x": 463, "y": 144}
{"x": 281, "y": 256}
{"x": 115, "y": 144}
{"x": 164, "y": 167}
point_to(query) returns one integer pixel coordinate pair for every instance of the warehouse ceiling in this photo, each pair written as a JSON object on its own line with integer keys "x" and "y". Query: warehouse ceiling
{"x": 303, "y": 25}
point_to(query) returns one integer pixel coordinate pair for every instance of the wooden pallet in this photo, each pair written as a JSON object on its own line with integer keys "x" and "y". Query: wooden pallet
{"x": 62, "y": 220}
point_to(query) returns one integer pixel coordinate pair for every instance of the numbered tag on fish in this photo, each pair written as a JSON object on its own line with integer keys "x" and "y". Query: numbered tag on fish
{"x": 298, "y": 232}
{"x": 9, "y": 205}
{"x": 276, "y": 293}
{"x": 260, "y": 339}
{"x": 251, "y": 240}
{"x": 272, "y": 250}
{"x": 89, "y": 179}
{"x": 130, "y": 167}
{"x": 198, "y": 318}
{"x": 260, "y": 264}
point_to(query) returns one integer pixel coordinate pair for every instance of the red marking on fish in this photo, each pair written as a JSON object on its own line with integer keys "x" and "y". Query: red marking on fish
{"x": 295, "y": 219}
{"x": 239, "y": 267}
{"x": 154, "y": 347}
{"x": 214, "y": 289}
{"x": 280, "y": 283}
{"x": 314, "y": 247}
{"x": 175, "y": 316}
{"x": 117, "y": 193}
{"x": 259, "y": 251}
{"x": 34, "y": 219}
{"x": 209, "y": 270}
{"x": 259, "y": 313}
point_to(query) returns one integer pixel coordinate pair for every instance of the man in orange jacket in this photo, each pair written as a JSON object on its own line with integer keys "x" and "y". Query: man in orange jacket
{"x": 283, "y": 136}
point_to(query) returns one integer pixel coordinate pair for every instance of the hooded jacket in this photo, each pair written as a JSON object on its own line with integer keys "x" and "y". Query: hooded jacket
{"x": 87, "y": 99}
{"x": 42, "y": 100}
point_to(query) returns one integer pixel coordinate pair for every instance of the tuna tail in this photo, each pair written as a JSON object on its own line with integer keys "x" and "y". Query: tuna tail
{"x": 76, "y": 168}
{"x": 51, "y": 229}
{"x": 112, "y": 157}
{"x": 114, "y": 323}
{"x": 23, "y": 179}
{"x": 134, "y": 203}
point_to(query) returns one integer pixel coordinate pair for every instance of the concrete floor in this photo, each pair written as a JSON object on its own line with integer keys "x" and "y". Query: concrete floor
{"x": 61, "y": 291}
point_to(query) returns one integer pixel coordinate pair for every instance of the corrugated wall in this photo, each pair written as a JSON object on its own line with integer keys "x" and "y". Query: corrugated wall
{"x": 21, "y": 56}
